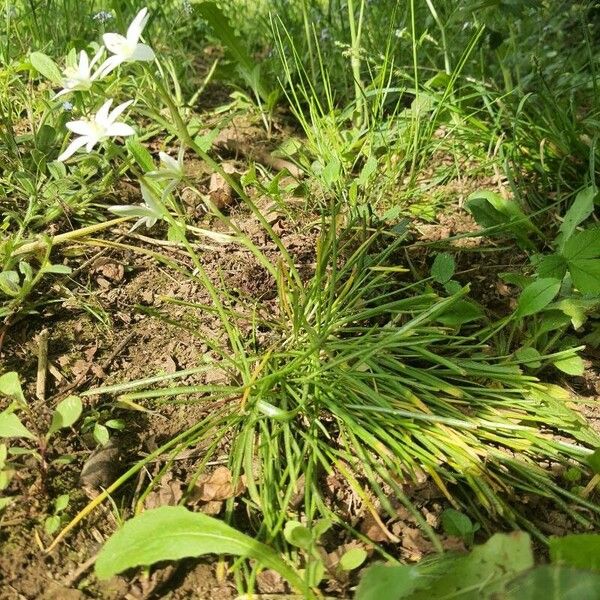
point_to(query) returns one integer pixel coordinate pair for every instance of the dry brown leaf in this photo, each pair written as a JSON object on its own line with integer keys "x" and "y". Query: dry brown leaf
{"x": 167, "y": 494}
{"x": 415, "y": 544}
{"x": 372, "y": 530}
{"x": 216, "y": 486}
{"x": 270, "y": 582}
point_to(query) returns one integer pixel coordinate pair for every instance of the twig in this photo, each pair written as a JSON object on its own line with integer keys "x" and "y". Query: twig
{"x": 42, "y": 366}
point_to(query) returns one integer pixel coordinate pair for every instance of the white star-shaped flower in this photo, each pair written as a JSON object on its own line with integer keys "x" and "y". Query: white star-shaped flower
{"x": 80, "y": 77}
{"x": 149, "y": 212}
{"x": 127, "y": 48}
{"x": 102, "y": 126}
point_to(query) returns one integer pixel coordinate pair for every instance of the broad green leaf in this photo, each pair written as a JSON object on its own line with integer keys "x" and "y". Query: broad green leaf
{"x": 572, "y": 365}
{"x": 553, "y": 265}
{"x": 331, "y": 172}
{"x": 10, "y": 283}
{"x": 578, "y": 309}
{"x": 101, "y": 434}
{"x": 11, "y": 386}
{"x": 66, "y": 413}
{"x": 51, "y": 524}
{"x": 297, "y": 534}
{"x": 585, "y": 273}
{"x": 549, "y": 582}
{"x": 443, "y": 267}
{"x": 580, "y": 551}
{"x": 11, "y": 426}
{"x": 485, "y": 572}
{"x": 61, "y": 502}
{"x": 583, "y": 244}
{"x": 173, "y": 533}
{"x": 382, "y": 582}
{"x": 530, "y": 357}
{"x": 458, "y": 524}
{"x": 536, "y": 296}
{"x": 352, "y": 559}
{"x": 463, "y": 311}
{"x": 490, "y": 210}
{"x": 44, "y": 65}
{"x": 580, "y": 210}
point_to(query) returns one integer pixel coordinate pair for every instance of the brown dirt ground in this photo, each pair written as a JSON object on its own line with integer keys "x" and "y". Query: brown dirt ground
{"x": 103, "y": 332}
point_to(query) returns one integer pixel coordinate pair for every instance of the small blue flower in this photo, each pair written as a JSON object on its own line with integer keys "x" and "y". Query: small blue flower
{"x": 67, "y": 106}
{"x": 103, "y": 16}
{"x": 186, "y": 6}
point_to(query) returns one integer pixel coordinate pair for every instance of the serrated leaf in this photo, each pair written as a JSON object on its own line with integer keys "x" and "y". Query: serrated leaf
{"x": 536, "y": 296}
{"x": 572, "y": 365}
{"x": 66, "y": 413}
{"x": 297, "y": 534}
{"x": 583, "y": 244}
{"x": 174, "y": 532}
{"x": 585, "y": 274}
{"x": 11, "y": 427}
{"x": 44, "y": 65}
{"x": 352, "y": 559}
{"x": 553, "y": 266}
{"x": 442, "y": 269}
{"x": 10, "y": 386}
{"x": 580, "y": 551}
{"x": 581, "y": 209}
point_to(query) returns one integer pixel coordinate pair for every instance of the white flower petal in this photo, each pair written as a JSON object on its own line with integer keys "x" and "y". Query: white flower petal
{"x": 150, "y": 200}
{"x": 72, "y": 148}
{"x": 84, "y": 63}
{"x": 102, "y": 117}
{"x": 91, "y": 141}
{"x": 80, "y": 127}
{"x": 67, "y": 90}
{"x": 115, "y": 42}
{"x": 142, "y": 52}
{"x": 132, "y": 210}
{"x": 121, "y": 129}
{"x": 168, "y": 161}
{"x": 118, "y": 110}
{"x": 134, "y": 31}
{"x": 110, "y": 64}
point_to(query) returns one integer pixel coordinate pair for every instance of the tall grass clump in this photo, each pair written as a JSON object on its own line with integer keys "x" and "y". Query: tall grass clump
{"x": 355, "y": 375}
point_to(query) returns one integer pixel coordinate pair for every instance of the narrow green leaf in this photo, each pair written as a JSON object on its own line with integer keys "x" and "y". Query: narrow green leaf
{"x": 140, "y": 153}
{"x": 174, "y": 532}
{"x": 11, "y": 426}
{"x": 536, "y": 296}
